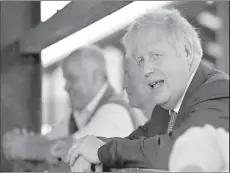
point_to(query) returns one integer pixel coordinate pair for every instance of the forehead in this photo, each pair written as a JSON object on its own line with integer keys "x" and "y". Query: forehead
{"x": 146, "y": 39}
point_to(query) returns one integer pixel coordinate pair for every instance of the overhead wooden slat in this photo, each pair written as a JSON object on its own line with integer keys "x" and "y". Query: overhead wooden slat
{"x": 74, "y": 17}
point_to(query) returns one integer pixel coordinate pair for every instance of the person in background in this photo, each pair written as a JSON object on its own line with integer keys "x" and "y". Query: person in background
{"x": 201, "y": 149}
{"x": 138, "y": 93}
{"x": 101, "y": 109}
{"x": 187, "y": 93}
{"x": 76, "y": 121}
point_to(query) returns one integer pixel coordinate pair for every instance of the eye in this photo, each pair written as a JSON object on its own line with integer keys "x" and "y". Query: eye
{"x": 140, "y": 60}
{"x": 155, "y": 55}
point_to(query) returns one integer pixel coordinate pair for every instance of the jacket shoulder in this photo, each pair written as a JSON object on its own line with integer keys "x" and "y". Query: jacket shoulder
{"x": 215, "y": 87}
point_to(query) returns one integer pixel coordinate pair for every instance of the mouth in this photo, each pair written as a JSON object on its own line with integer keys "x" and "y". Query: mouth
{"x": 156, "y": 84}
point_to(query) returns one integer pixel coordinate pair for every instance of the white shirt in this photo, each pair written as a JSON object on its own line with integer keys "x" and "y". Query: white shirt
{"x": 81, "y": 118}
{"x": 178, "y": 105}
{"x": 106, "y": 121}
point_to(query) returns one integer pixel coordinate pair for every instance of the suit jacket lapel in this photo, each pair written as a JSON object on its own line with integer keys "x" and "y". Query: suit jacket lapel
{"x": 199, "y": 78}
{"x": 159, "y": 121}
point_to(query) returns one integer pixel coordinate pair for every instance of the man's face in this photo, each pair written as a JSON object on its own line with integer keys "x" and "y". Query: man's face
{"x": 137, "y": 90}
{"x": 165, "y": 71}
{"x": 78, "y": 85}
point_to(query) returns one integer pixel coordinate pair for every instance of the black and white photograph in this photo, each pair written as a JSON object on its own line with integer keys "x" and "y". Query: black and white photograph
{"x": 114, "y": 86}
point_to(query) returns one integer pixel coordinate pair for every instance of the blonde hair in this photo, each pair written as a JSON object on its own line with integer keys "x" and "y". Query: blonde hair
{"x": 176, "y": 27}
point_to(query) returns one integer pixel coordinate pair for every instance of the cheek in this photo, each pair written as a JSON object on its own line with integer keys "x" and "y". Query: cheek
{"x": 178, "y": 78}
{"x": 85, "y": 85}
{"x": 142, "y": 90}
{"x": 131, "y": 84}
{"x": 83, "y": 89}
{"x": 77, "y": 89}
{"x": 176, "y": 74}
{"x": 130, "y": 90}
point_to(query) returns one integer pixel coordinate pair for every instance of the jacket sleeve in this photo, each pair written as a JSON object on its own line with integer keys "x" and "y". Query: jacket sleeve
{"x": 153, "y": 152}
{"x": 159, "y": 117}
{"x": 142, "y": 131}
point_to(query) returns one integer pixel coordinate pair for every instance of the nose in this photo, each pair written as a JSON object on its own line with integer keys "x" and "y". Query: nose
{"x": 148, "y": 69}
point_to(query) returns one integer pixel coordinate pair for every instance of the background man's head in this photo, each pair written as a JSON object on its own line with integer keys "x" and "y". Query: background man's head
{"x": 138, "y": 92}
{"x": 167, "y": 49}
{"x": 85, "y": 73}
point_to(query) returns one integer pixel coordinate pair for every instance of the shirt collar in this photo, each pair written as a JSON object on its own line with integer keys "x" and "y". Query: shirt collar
{"x": 177, "y": 108}
{"x": 94, "y": 102}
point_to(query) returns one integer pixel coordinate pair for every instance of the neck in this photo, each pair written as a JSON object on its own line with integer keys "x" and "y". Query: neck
{"x": 172, "y": 104}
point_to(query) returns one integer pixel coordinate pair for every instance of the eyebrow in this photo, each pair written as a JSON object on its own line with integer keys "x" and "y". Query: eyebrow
{"x": 139, "y": 57}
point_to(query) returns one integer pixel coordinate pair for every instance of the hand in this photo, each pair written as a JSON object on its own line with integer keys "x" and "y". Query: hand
{"x": 74, "y": 151}
{"x": 13, "y": 143}
{"x": 87, "y": 148}
{"x": 81, "y": 165}
{"x": 60, "y": 148}
{"x": 51, "y": 155}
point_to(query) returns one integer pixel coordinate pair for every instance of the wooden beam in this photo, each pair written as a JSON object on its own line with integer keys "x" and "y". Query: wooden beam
{"x": 72, "y": 18}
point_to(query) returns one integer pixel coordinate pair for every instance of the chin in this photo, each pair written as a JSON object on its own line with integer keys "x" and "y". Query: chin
{"x": 162, "y": 102}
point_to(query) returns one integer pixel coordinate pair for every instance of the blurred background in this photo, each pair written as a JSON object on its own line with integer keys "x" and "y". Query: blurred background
{"x": 36, "y": 36}
{"x": 208, "y": 17}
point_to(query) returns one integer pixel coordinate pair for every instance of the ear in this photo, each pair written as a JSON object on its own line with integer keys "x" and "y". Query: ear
{"x": 189, "y": 52}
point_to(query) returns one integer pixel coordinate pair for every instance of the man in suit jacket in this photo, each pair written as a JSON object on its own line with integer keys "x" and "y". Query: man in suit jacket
{"x": 187, "y": 93}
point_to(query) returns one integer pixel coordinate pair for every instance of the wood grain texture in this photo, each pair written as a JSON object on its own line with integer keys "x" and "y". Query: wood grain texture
{"x": 73, "y": 17}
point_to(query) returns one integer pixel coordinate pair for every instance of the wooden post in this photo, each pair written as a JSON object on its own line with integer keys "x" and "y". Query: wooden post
{"x": 20, "y": 74}
{"x": 223, "y": 35}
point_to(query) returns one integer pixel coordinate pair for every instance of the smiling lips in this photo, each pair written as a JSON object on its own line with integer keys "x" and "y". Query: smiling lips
{"x": 156, "y": 84}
